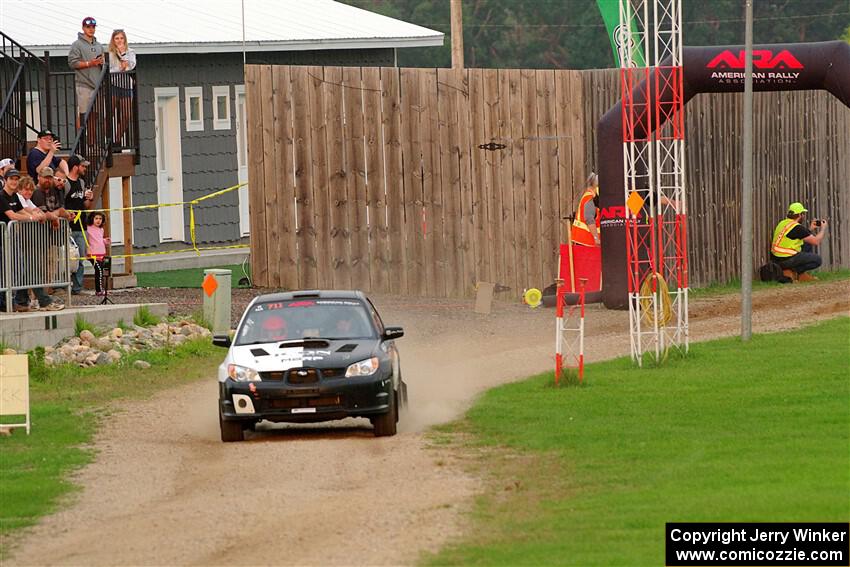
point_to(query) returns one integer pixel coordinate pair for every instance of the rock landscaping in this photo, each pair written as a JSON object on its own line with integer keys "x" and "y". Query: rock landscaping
{"x": 87, "y": 349}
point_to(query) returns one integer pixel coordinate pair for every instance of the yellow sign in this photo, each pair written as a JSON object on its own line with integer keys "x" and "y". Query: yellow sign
{"x": 14, "y": 389}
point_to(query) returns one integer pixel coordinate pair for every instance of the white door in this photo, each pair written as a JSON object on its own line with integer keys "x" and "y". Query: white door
{"x": 242, "y": 160}
{"x": 169, "y": 164}
{"x": 116, "y": 219}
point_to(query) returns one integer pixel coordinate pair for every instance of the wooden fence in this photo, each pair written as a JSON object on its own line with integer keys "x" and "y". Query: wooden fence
{"x": 426, "y": 181}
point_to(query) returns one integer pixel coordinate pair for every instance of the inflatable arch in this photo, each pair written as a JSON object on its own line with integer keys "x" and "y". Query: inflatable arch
{"x": 776, "y": 67}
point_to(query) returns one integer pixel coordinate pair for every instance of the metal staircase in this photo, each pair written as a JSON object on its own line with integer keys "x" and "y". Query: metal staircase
{"x": 35, "y": 97}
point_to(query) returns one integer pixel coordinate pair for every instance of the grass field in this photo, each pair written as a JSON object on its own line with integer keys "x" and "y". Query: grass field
{"x": 589, "y": 475}
{"x": 189, "y": 277}
{"x": 735, "y": 285}
{"x": 66, "y": 404}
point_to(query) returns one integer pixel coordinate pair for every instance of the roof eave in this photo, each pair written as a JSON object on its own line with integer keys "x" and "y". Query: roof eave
{"x": 264, "y": 46}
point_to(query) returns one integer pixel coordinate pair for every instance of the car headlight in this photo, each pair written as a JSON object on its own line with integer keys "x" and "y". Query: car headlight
{"x": 363, "y": 368}
{"x": 243, "y": 374}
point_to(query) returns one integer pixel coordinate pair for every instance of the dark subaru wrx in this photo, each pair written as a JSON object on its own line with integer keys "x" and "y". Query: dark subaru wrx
{"x": 310, "y": 356}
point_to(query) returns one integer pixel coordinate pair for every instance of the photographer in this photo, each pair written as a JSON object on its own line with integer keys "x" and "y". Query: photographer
{"x": 792, "y": 244}
{"x": 43, "y": 154}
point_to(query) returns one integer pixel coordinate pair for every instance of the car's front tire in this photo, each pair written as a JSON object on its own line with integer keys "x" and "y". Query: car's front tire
{"x": 385, "y": 424}
{"x": 230, "y": 430}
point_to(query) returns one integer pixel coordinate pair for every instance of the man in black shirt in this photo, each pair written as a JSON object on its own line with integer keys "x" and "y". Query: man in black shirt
{"x": 44, "y": 155}
{"x": 793, "y": 244}
{"x": 78, "y": 199}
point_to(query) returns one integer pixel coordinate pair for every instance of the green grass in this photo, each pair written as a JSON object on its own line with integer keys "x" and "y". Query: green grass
{"x": 190, "y": 277}
{"x": 67, "y": 404}
{"x": 589, "y": 475}
{"x": 735, "y": 285}
{"x": 144, "y": 318}
{"x": 80, "y": 325}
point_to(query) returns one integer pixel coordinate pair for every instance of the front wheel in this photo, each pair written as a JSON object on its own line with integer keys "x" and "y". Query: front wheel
{"x": 230, "y": 430}
{"x": 385, "y": 424}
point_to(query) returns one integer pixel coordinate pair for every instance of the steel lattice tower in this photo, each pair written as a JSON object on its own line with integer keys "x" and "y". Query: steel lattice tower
{"x": 654, "y": 172}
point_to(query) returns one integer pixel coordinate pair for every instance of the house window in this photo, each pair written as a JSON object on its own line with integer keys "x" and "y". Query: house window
{"x": 194, "y": 109}
{"x": 221, "y": 108}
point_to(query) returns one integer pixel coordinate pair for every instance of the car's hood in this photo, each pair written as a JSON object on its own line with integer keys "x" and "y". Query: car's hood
{"x": 319, "y": 353}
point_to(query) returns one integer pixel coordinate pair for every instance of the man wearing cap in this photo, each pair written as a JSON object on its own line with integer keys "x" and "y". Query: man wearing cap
{"x": 5, "y": 165}
{"x": 78, "y": 198}
{"x": 792, "y": 244}
{"x": 43, "y": 154}
{"x": 86, "y": 59}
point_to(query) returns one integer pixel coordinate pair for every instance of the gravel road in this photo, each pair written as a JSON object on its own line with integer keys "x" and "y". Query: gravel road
{"x": 165, "y": 491}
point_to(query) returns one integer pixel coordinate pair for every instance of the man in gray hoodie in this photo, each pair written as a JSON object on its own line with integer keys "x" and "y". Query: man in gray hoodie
{"x": 86, "y": 59}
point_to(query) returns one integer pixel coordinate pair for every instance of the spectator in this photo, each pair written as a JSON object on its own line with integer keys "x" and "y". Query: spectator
{"x": 11, "y": 209}
{"x": 85, "y": 57}
{"x": 585, "y": 228}
{"x": 44, "y": 155}
{"x": 49, "y": 198}
{"x": 5, "y": 165}
{"x": 78, "y": 199}
{"x": 793, "y": 244}
{"x": 121, "y": 59}
{"x": 26, "y": 189}
{"x": 98, "y": 245}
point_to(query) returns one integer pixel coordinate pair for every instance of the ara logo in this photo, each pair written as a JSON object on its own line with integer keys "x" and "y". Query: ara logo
{"x": 615, "y": 212}
{"x": 762, "y": 59}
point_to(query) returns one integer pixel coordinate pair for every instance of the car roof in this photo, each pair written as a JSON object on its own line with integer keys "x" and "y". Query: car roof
{"x": 311, "y": 294}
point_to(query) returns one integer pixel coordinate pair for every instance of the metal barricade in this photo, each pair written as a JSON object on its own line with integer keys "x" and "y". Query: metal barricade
{"x": 36, "y": 255}
{"x": 5, "y": 292}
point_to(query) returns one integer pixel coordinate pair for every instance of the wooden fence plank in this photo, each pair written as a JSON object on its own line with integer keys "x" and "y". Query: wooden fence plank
{"x": 467, "y": 219}
{"x": 520, "y": 186}
{"x": 393, "y": 148}
{"x": 355, "y": 178}
{"x": 321, "y": 196}
{"x": 448, "y": 85}
{"x": 481, "y": 243}
{"x": 302, "y": 136}
{"x": 411, "y": 107}
{"x": 287, "y": 253}
{"x": 505, "y": 173}
{"x": 270, "y": 174}
{"x": 339, "y": 260}
{"x": 256, "y": 177}
{"x": 532, "y": 178}
{"x": 548, "y": 146}
{"x": 376, "y": 199}
{"x": 432, "y": 197}
{"x": 493, "y": 184}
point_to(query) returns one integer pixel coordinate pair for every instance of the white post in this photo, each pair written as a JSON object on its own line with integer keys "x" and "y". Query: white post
{"x": 216, "y": 288}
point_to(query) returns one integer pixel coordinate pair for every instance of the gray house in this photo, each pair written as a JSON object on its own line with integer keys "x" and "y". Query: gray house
{"x": 191, "y": 93}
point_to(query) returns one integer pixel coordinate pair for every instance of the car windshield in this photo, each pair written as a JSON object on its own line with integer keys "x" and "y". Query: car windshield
{"x": 305, "y": 318}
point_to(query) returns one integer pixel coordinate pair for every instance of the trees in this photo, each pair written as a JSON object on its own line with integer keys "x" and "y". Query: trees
{"x": 571, "y": 34}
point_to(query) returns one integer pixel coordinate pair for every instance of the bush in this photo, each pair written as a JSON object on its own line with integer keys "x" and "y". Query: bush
{"x": 144, "y": 317}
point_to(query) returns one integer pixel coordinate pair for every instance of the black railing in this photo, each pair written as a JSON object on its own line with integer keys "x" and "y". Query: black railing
{"x": 21, "y": 74}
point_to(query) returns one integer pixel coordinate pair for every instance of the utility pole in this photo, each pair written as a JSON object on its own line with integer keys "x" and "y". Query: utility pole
{"x": 457, "y": 35}
{"x": 747, "y": 194}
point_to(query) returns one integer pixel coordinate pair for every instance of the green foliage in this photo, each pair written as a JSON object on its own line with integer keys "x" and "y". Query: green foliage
{"x": 571, "y": 34}
{"x": 846, "y": 36}
{"x": 80, "y": 325}
{"x": 122, "y": 325}
{"x": 67, "y": 404}
{"x": 735, "y": 285}
{"x": 733, "y": 432}
{"x": 188, "y": 278}
{"x": 199, "y": 319}
{"x": 144, "y": 317}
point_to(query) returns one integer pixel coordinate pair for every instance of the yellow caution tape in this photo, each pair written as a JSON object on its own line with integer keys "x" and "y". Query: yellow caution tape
{"x": 192, "y": 203}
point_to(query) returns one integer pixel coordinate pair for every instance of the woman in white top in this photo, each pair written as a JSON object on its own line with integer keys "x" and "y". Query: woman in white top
{"x": 121, "y": 59}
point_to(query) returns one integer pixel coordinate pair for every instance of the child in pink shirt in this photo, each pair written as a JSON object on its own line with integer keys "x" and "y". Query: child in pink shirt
{"x": 97, "y": 244}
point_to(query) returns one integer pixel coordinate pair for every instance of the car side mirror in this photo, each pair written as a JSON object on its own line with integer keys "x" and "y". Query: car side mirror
{"x": 221, "y": 340}
{"x": 391, "y": 333}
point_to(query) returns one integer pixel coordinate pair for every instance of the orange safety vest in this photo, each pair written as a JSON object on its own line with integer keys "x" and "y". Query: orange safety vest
{"x": 579, "y": 232}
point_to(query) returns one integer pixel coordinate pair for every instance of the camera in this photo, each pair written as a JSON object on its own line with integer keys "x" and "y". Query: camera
{"x": 818, "y": 222}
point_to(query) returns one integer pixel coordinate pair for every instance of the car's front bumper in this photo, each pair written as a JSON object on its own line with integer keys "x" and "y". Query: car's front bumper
{"x": 320, "y": 401}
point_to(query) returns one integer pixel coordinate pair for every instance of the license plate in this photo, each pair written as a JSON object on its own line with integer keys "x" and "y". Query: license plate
{"x": 303, "y": 410}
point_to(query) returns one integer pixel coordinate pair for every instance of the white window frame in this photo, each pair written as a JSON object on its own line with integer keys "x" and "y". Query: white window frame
{"x": 221, "y": 122}
{"x": 190, "y": 93}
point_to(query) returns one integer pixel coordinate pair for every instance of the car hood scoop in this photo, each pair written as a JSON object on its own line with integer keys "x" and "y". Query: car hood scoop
{"x": 259, "y": 352}
{"x": 346, "y": 348}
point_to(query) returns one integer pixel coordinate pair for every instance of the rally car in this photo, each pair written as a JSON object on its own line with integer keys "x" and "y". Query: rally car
{"x": 310, "y": 356}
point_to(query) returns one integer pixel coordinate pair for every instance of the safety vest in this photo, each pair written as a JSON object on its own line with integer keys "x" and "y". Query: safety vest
{"x": 579, "y": 232}
{"x": 782, "y": 246}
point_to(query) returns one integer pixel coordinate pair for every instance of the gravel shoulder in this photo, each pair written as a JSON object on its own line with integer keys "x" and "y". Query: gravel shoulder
{"x": 165, "y": 491}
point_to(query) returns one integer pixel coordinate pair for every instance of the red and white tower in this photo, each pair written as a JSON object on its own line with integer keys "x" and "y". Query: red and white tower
{"x": 654, "y": 168}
